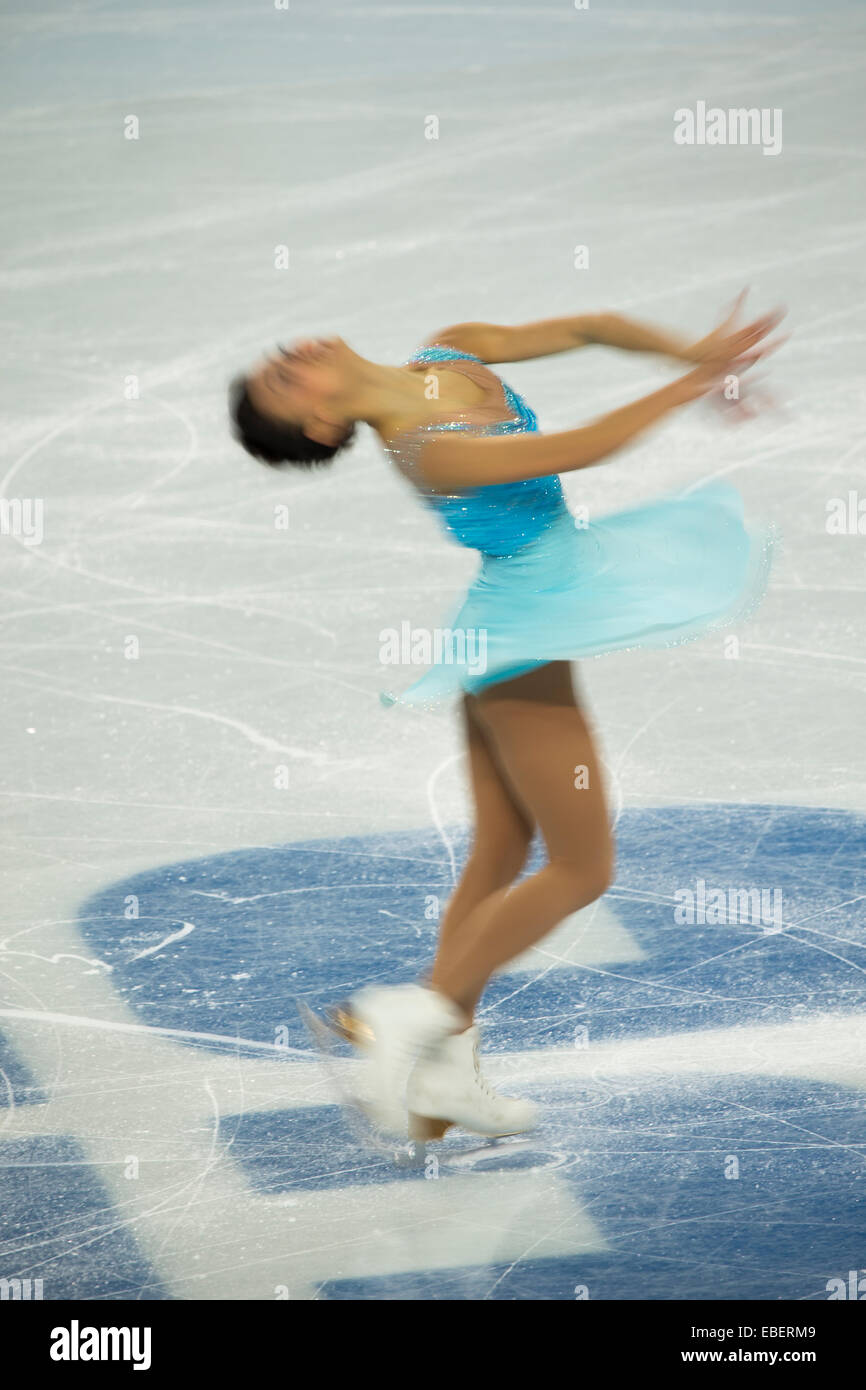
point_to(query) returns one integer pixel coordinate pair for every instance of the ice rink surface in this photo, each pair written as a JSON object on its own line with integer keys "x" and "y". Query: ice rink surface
{"x": 207, "y": 811}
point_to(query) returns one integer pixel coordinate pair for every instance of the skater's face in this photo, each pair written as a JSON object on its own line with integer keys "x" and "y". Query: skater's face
{"x": 304, "y": 385}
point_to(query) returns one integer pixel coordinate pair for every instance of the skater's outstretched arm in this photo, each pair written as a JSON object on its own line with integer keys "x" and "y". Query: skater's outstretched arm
{"x": 447, "y": 461}
{"x": 493, "y": 342}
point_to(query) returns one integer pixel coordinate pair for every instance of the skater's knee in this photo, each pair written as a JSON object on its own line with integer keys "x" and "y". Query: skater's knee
{"x": 584, "y": 878}
{"x": 500, "y": 858}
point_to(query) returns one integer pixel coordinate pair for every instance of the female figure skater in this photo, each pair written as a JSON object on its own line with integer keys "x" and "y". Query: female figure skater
{"x": 547, "y": 591}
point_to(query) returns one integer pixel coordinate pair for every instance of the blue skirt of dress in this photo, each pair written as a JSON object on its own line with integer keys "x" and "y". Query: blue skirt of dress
{"x": 655, "y": 576}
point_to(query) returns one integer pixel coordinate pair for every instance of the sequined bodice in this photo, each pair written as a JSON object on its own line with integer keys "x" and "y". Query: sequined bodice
{"x": 501, "y": 518}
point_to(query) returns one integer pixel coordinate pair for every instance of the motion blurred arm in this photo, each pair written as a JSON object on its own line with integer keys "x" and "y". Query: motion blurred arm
{"x": 447, "y": 462}
{"x": 493, "y": 342}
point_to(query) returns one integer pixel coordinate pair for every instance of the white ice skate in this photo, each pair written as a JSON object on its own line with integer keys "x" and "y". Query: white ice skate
{"x": 448, "y": 1088}
{"x": 396, "y": 1027}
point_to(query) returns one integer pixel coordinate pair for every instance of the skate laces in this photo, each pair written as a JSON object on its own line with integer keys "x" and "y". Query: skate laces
{"x": 480, "y": 1079}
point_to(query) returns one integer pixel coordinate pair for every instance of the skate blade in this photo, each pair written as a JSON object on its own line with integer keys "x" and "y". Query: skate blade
{"x": 363, "y": 1126}
{"x": 343, "y": 1024}
{"x": 425, "y": 1129}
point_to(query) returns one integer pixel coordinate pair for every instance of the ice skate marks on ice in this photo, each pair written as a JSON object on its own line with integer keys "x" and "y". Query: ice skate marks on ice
{"x": 643, "y": 1115}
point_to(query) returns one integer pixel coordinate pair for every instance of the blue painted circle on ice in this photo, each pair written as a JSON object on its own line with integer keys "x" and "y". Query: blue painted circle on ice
{"x": 254, "y": 928}
{"x": 222, "y": 945}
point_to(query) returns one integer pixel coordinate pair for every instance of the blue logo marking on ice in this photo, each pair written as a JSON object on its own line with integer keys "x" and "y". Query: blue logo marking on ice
{"x": 701, "y": 1083}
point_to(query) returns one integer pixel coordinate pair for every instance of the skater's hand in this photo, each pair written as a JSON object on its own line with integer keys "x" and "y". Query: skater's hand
{"x": 726, "y": 353}
{"x": 725, "y": 346}
{"x": 707, "y": 348}
{"x": 715, "y": 375}
{"x": 719, "y": 342}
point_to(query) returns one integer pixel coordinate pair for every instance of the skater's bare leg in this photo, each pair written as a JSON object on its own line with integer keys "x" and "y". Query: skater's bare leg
{"x": 539, "y": 736}
{"x": 502, "y": 832}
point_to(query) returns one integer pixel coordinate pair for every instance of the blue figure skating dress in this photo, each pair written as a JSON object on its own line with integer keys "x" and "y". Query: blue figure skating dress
{"x": 551, "y": 589}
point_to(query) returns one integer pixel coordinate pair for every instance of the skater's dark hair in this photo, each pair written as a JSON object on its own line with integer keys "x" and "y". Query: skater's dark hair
{"x": 276, "y": 441}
